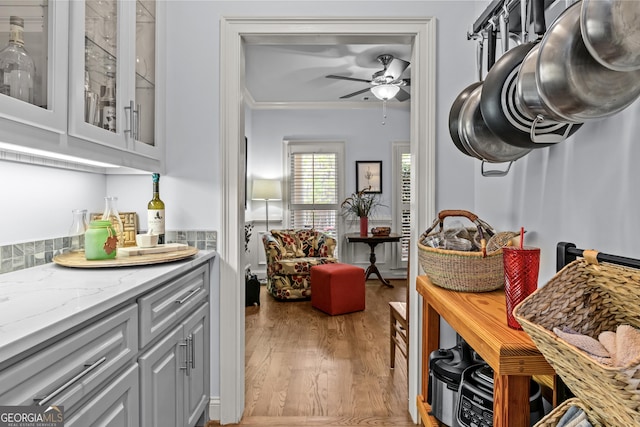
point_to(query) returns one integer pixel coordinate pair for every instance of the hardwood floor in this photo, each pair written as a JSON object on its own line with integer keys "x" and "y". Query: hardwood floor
{"x": 306, "y": 368}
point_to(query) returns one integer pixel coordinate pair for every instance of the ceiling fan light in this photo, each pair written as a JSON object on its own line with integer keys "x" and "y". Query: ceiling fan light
{"x": 385, "y": 92}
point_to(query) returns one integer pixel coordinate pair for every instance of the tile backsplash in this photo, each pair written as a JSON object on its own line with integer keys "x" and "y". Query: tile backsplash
{"x": 19, "y": 256}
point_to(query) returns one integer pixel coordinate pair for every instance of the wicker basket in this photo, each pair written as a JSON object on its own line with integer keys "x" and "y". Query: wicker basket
{"x": 459, "y": 270}
{"x": 589, "y": 298}
{"x": 552, "y": 418}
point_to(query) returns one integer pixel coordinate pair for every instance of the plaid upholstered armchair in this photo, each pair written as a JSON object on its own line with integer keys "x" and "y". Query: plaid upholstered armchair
{"x": 290, "y": 256}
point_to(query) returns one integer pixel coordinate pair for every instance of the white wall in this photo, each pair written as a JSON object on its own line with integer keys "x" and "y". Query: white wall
{"x": 364, "y": 137}
{"x": 361, "y": 130}
{"x": 581, "y": 191}
{"x": 37, "y": 201}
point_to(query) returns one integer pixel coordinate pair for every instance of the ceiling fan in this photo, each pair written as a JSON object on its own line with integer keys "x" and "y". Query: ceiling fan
{"x": 386, "y": 83}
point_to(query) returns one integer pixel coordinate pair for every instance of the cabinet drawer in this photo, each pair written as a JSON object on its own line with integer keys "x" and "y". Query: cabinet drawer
{"x": 162, "y": 308}
{"x": 66, "y": 371}
{"x": 115, "y": 406}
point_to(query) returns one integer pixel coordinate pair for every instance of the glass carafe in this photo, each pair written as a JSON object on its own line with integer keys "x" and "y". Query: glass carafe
{"x": 111, "y": 214}
{"x": 77, "y": 230}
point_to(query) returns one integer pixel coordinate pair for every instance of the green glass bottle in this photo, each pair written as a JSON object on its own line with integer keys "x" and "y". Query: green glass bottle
{"x": 155, "y": 211}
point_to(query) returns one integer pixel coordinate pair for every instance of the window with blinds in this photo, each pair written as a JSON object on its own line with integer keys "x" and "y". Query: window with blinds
{"x": 313, "y": 190}
{"x": 405, "y": 199}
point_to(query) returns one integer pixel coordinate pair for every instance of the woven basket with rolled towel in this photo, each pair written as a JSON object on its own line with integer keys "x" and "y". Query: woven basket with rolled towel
{"x": 589, "y": 298}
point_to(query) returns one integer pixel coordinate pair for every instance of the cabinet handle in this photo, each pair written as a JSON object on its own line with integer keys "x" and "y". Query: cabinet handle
{"x": 191, "y": 294}
{"x": 88, "y": 368}
{"x": 193, "y": 352}
{"x": 186, "y": 366}
{"x": 136, "y": 121}
{"x": 131, "y": 110}
{"x": 190, "y": 341}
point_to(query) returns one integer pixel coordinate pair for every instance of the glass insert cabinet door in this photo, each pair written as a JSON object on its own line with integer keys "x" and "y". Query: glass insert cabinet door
{"x": 145, "y": 94}
{"x": 118, "y": 93}
{"x": 33, "y": 87}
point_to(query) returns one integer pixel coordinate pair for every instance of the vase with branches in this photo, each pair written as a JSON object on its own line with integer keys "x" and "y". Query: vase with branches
{"x": 361, "y": 205}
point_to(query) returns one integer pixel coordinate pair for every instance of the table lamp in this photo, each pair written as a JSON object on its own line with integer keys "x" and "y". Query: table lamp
{"x": 266, "y": 189}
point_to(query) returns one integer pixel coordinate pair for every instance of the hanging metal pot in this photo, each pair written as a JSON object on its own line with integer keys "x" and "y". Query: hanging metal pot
{"x": 529, "y": 100}
{"x": 454, "y": 112}
{"x": 611, "y": 33}
{"x": 501, "y": 110}
{"x": 454, "y": 117}
{"x": 478, "y": 139}
{"x": 572, "y": 84}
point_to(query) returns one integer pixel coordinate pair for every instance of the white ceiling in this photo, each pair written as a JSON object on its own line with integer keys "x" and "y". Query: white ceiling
{"x": 296, "y": 73}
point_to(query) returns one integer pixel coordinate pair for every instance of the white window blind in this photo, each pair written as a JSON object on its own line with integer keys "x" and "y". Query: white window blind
{"x": 405, "y": 199}
{"x": 313, "y": 190}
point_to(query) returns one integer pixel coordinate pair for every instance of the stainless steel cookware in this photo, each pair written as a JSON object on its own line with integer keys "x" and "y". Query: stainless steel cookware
{"x": 547, "y": 127}
{"x": 611, "y": 32}
{"x": 571, "y": 83}
{"x": 478, "y": 139}
{"x": 502, "y": 112}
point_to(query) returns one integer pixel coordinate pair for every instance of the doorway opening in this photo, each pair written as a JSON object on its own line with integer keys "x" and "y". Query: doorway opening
{"x": 235, "y": 33}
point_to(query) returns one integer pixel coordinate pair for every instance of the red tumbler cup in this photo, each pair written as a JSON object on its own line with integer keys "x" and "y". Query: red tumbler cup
{"x": 521, "y": 266}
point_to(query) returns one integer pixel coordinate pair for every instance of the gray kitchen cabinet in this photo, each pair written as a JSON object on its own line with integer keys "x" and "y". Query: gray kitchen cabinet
{"x": 161, "y": 308}
{"x": 80, "y": 48}
{"x": 115, "y": 406}
{"x": 67, "y": 371}
{"x": 174, "y": 374}
{"x": 113, "y": 84}
{"x": 81, "y": 347}
{"x": 45, "y": 36}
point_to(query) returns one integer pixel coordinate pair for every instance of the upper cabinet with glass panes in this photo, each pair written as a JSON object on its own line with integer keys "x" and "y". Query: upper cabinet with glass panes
{"x": 113, "y": 74}
{"x": 80, "y": 78}
{"x": 33, "y": 87}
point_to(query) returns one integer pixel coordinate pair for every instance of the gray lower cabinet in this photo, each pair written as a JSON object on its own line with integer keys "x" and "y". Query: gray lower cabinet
{"x": 142, "y": 363}
{"x": 174, "y": 374}
{"x": 66, "y": 372}
{"x": 114, "y": 406}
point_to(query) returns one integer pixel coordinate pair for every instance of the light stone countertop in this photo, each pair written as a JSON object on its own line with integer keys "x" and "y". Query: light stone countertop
{"x": 38, "y": 303}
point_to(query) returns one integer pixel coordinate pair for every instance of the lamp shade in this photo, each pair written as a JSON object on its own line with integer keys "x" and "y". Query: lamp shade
{"x": 385, "y": 92}
{"x": 266, "y": 189}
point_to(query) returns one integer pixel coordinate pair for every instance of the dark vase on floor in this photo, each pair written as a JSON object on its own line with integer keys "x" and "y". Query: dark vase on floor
{"x": 364, "y": 226}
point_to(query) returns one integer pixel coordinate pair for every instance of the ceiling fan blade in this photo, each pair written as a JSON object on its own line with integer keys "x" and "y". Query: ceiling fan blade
{"x": 347, "y": 78}
{"x": 395, "y": 68}
{"x": 407, "y": 82}
{"x": 354, "y": 93}
{"x": 402, "y": 95}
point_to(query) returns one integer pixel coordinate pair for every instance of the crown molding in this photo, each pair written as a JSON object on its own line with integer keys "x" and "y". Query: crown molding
{"x": 320, "y": 105}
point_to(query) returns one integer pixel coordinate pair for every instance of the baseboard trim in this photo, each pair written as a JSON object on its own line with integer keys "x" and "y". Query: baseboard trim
{"x": 214, "y": 408}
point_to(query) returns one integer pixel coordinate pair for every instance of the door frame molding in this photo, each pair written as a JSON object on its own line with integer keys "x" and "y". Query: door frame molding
{"x": 235, "y": 32}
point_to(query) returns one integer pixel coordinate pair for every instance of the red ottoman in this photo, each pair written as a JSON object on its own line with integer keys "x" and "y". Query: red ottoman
{"x": 337, "y": 288}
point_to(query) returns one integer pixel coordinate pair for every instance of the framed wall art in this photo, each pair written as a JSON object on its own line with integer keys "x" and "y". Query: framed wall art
{"x": 369, "y": 176}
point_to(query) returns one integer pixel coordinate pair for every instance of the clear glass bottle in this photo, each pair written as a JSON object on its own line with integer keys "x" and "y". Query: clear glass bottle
{"x": 108, "y": 105}
{"x": 111, "y": 214}
{"x": 90, "y": 100}
{"x": 78, "y": 228}
{"x": 17, "y": 69}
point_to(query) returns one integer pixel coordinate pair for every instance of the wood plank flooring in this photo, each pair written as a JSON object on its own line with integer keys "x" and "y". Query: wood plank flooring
{"x": 306, "y": 368}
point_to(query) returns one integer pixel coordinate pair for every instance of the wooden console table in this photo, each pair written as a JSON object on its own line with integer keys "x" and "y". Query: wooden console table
{"x": 373, "y": 241}
{"x": 480, "y": 319}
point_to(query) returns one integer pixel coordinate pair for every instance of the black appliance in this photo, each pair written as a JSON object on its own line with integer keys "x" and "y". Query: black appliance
{"x": 445, "y": 372}
{"x": 475, "y": 398}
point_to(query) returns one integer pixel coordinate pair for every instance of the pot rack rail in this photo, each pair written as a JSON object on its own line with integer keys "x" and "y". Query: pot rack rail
{"x": 490, "y": 16}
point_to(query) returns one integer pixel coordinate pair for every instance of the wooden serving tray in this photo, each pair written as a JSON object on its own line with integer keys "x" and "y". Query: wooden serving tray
{"x": 77, "y": 259}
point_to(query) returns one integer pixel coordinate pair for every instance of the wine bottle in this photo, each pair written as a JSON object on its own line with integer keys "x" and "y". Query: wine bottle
{"x": 108, "y": 105}
{"x": 155, "y": 210}
{"x": 17, "y": 69}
